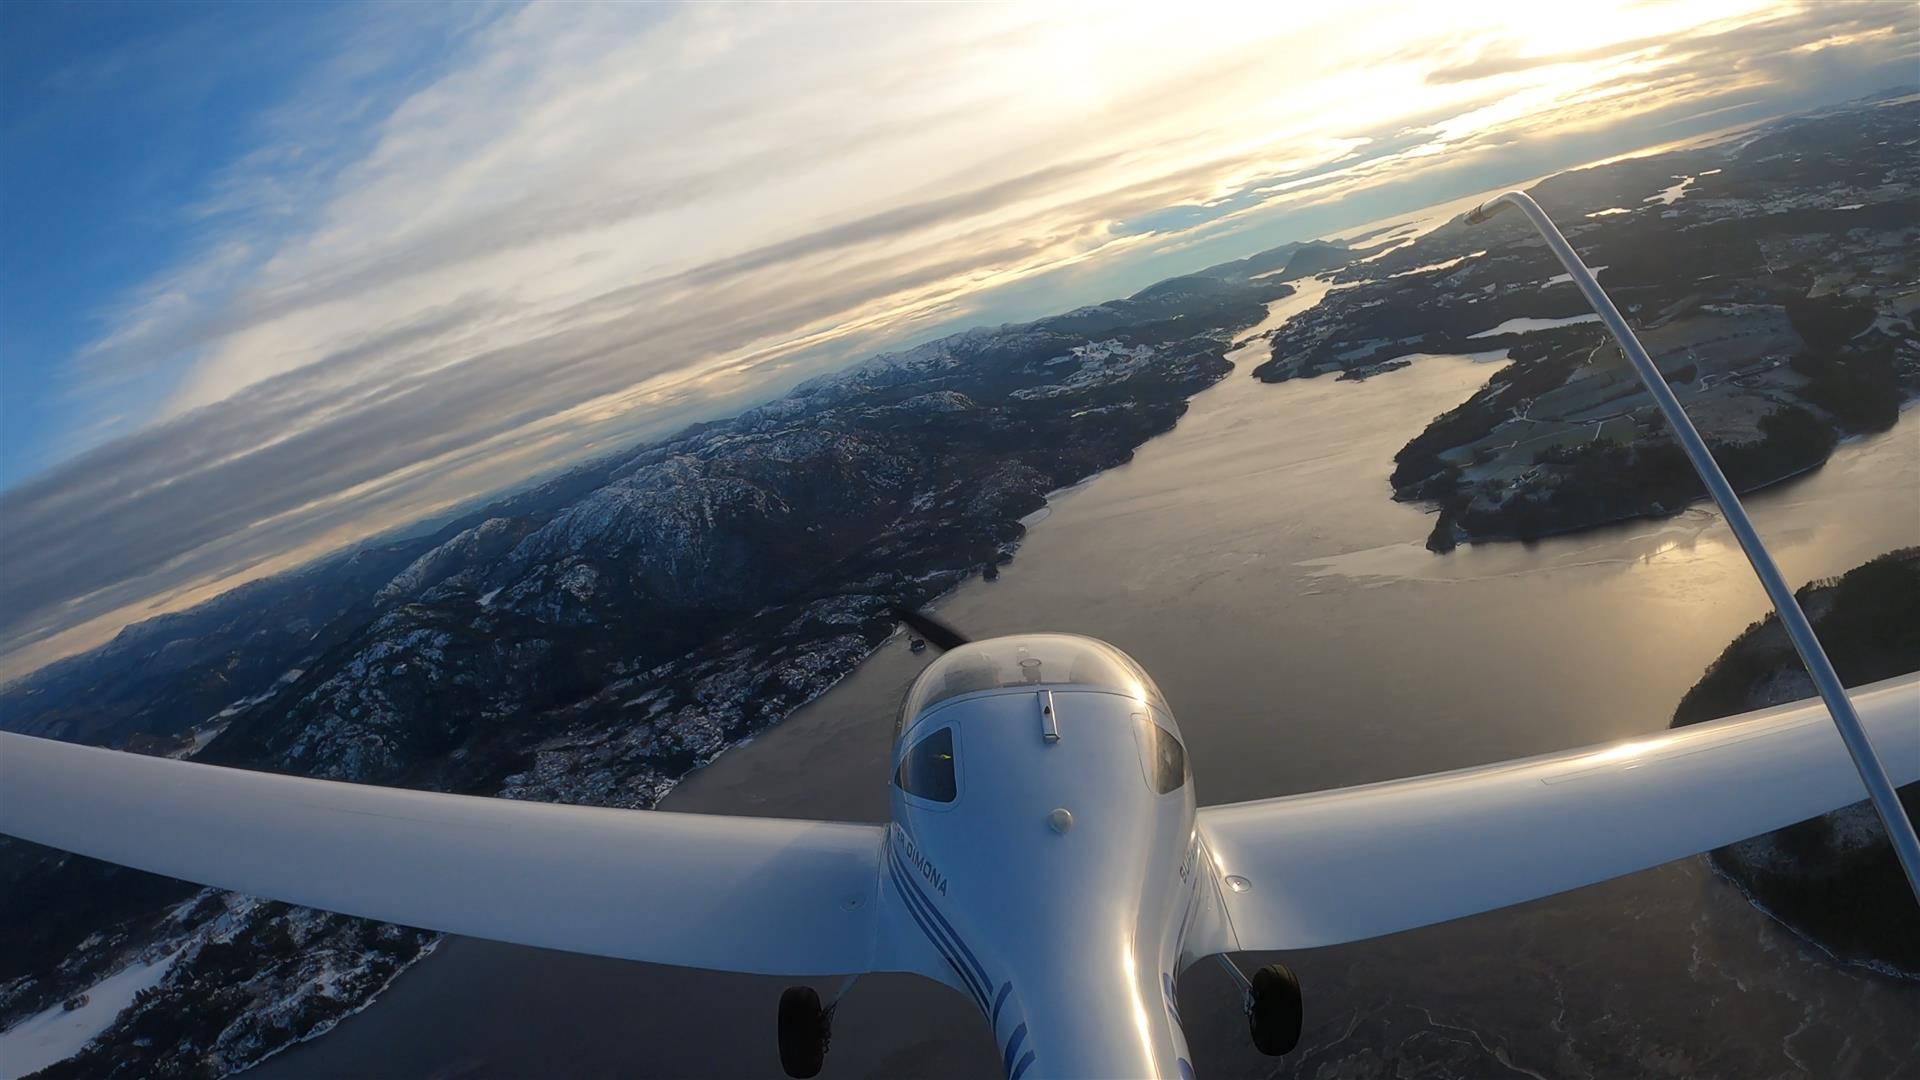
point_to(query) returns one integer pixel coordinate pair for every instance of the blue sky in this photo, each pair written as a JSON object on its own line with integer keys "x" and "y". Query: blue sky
{"x": 275, "y": 278}
{"x": 80, "y": 151}
{"x": 118, "y": 122}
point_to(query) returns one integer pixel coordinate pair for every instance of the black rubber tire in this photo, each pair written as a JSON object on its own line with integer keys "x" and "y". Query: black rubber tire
{"x": 1276, "y": 1016}
{"x": 804, "y": 1031}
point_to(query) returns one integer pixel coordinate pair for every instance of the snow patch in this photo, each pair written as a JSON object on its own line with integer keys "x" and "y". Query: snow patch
{"x": 286, "y": 679}
{"x": 202, "y": 735}
{"x": 1431, "y": 267}
{"x": 59, "y": 1033}
{"x": 1562, "y": 279}
{"x": 1522, "y": 326}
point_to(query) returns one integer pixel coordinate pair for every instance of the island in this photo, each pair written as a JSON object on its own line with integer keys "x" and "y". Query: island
{"x": 1772, "y": 277}
{"x": 1833, "y": 879}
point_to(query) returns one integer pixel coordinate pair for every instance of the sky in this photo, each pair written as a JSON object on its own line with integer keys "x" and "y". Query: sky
{"x": 278, "y": 278}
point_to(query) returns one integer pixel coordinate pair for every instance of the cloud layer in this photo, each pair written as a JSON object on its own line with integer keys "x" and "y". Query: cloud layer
{"x": 594, "y": 223}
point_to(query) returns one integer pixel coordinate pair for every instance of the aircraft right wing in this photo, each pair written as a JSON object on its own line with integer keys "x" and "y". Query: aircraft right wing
{"x": 1362, "y": 862}
{"x": 728, "y": 893}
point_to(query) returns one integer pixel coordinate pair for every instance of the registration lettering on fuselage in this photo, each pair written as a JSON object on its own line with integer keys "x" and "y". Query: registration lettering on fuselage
{"x": 935, "y": 879}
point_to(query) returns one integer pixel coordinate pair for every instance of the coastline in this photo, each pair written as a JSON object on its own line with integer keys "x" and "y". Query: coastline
{"x": 1831, "y": 880}
{"x": 1878, "y": 967}
{"x": 327, "y": 1026}
{"x": 1703, "y": 502}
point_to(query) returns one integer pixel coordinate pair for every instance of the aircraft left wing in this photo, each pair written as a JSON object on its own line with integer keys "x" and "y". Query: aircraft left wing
{"x": 1362, "y": 862}
{"x": 735, "y": 894}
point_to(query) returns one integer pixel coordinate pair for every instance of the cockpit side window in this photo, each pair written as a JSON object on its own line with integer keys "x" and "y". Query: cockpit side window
{"x": 926, "y": 771}
{"x": 1166, "y": 759}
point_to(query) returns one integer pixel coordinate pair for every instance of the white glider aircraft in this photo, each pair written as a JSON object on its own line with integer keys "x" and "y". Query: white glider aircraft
{"x": 1045, "y": 855}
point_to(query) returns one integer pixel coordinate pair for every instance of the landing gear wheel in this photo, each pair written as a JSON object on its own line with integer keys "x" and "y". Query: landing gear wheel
{"x": 1274, "y": 1012}
{"x": 805, "y": 1031}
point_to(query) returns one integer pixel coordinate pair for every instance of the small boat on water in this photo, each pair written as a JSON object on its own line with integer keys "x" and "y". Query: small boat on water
{"x": 916, "y": 644}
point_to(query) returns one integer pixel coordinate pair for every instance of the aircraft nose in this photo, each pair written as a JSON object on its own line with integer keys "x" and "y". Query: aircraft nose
{"x": 1057, "y": 866}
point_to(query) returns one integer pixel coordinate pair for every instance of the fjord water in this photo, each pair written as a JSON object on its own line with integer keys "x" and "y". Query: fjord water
{"x": 1253, "y": 561}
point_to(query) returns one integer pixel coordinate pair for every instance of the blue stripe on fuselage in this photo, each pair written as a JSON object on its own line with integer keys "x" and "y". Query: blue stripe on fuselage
{"x": 912, "y": 902}
{"x": 941, "y": 934}
{"x": 1013, "y": 1047}
{"x": 986, "y": 984}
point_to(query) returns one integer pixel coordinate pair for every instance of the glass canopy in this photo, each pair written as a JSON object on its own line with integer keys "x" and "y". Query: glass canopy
{"x": 1036, "y": 660}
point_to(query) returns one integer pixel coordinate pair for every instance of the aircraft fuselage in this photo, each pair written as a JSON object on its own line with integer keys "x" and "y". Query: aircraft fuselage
{"x": 1044, "y": 854}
